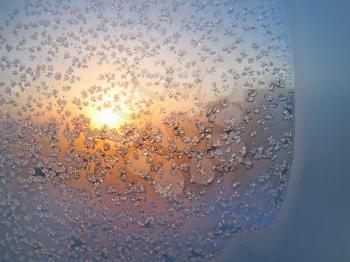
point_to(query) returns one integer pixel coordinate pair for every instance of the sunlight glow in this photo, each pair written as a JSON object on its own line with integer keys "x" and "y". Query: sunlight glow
{"x": 107, "y": 117}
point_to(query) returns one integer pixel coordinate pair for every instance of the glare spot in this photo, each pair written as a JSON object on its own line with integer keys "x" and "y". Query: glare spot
{"x": 107, "y": 117}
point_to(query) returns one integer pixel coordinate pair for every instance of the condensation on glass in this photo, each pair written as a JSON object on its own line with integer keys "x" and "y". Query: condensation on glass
{"x": 141, "y": 130}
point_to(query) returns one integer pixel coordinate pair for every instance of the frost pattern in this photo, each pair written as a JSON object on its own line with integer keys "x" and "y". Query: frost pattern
{"x": 141, "y": 130}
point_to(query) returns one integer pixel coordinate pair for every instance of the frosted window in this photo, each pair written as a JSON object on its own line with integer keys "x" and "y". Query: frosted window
{"x": 141, "y": 130}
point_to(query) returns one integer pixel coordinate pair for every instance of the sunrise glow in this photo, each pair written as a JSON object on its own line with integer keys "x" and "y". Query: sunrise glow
{"x": 107, "y": 117}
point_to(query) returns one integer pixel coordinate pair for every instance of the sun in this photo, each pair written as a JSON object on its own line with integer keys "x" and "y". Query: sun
{"x": 107, "y": 117}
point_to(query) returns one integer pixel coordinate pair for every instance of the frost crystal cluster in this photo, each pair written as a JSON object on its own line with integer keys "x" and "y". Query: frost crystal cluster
{"x": 141, "y": 130}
